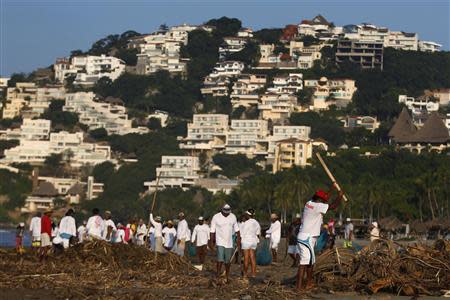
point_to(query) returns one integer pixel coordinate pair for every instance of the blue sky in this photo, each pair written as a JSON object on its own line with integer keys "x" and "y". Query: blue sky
{"x": 33, "y": 33}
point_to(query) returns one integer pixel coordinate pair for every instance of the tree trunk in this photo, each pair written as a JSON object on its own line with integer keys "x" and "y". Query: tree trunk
{"x": 431, "y": 204}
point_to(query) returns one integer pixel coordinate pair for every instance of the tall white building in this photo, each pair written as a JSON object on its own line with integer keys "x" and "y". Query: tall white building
{"x": 328, "y": 92}
{"x": 245, "y": 90}
{"x": 206, "y": 132}
{"x": 87, "y": 70}
{"x": 286, "y": 132}
{"x": 287, "y": 84}
{"x": 247, "y": 137}
{"x": 428, "y": 46}
{"x": 277, "y": 106}
{"x": 175, "y": 171}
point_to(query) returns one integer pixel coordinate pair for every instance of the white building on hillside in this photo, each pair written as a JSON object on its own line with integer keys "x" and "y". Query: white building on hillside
{"x": 328, "y": 92}
{"x": 30, "y": 101}
{"x": 206, "y": 132}
{"x": 95, "y": 114}
{"x": 215, "y": 86}
{"x": 277, "y": 106}
{"x": 175, "y": 171}
{"x": 420, "y": 107}
{"x": 245, "y": 89}
{"x": 402, "y": 41}
{"x": 88, "y": 69}
{"x": 285, "y": 132}
{"x": 227, "y": 68}
{"x": 287, "y": 84}
{"x": 232, "y": 45}
{"x": 291, "y": 152}
{"x": 246, "y": 137}
{"x": 427, "y": 46}
{"x": 30, "y": 130}
{"x": 71, "y": 145}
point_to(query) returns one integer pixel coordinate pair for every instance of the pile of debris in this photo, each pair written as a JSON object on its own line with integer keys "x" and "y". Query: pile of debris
{"x": 386, "y": 266}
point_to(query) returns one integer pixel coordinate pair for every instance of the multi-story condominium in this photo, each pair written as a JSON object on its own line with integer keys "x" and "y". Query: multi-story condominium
{"x": 245, "y": 33}
{"x": 266, "y": 54}
{"x": 402, "y": 40}
{"x": 291, "y": 152}
{"x": 245, "y": 89}
{"x": 111, "y": 116}
{"x": 175, "y": 171}
{"x": 285, "y": 132}
{"x": 420, "y": 107}
{"x": 150, "y": 64}
{"x": 216, "y": 86}
{"x": 366, "y": 32}
{"x": 328, "y": 92}
{"x": 206, "y": 132}
{"x": 71, "y": 145}
{"x": 28, "y": 100}
{"x": 3, "y": 86}
{"x": 287, "y": 84}
{"x": 232, "y": 45}
{"x": 443, "y": 95}
{"x": 320, "y": 28}
{"x": 31, "y": 130}
{"x": 277, "y": 106}
{"x": 305, "y": 56}
{"x": 88, "y": 69}
{"x": 427, "y": 46}
{"x": 367, "y": 122}
{"x": 247, "y": 137}
{"x": 368, "y": 54}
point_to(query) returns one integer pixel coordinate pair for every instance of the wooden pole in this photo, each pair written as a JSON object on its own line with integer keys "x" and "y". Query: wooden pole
{"x": 156, "y": 192}
{"x": 330, "y": 175}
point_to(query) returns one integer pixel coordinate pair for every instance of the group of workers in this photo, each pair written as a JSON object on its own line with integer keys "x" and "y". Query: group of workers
{"x": 224, "y": 234}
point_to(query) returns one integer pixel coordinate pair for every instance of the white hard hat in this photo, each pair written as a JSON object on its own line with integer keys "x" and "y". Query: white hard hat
{"x": 348, "y": 220}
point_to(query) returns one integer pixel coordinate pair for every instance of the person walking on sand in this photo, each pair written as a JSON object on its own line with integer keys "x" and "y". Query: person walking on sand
{"x": 82, "y": 232}
{"x": 250, "y": 233}
{"x": 223, "y": 225}
{"x": 292, "y": 250}
{"x": 141, "y": 233}
{"x": 67, "y": 228}
{"x": 110, "y": 228}
{"x": 348, "y": 233}
{"x": 169, "y": 236}
{"x": 35, "y": 231}
{"x": 374, "y": 232}
{"x": 312, "y": 220}
{"x": 46, "y": 233}
{"x": 200, "y": 235}
{"x": 156, "y": 222}
{"x": 182, "y": 234}
{"x": 95, "y": 225}
{"x": 274, "y": 234}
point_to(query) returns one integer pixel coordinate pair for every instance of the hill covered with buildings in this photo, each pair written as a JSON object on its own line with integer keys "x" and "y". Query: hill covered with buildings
{"x": 218, "y": 112}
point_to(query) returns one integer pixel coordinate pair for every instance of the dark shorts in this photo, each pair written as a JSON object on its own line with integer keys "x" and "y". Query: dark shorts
{"x": 224, "y": 254}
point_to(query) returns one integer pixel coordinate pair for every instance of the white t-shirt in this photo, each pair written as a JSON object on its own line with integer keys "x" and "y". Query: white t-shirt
{"x": 141, "y": 232}
{"x": 67, "y": 225}
{"x": 312, "y": 218}
{"x": 169, "y": 236}
{"x": 81, "y": 233}
{"x": 201, "y": 233}
{"x": 274, "y": 232}
{"x": 158, "y": 227}
{"x": 120, "y": 236}
{"x": 108, "y": 223}
{"x": 250, "y": 230}
{"x": 95, "y": 226}
{"x": 224, "y": 227}
{"x": 182, "y": 230}
{"x": 35, "y": 227}
{"x": 348, "y": 228}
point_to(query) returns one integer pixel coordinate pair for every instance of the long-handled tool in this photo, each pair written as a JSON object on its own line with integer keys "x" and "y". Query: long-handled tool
{"x": 333, "y": 180}
{"x": 153, "y": 203}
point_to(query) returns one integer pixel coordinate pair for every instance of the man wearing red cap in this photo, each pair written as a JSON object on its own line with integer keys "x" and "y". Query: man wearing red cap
{"x": 312, "y": 220}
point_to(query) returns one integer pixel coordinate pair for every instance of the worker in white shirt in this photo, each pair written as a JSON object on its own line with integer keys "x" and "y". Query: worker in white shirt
{"x": 374, "y": 232}
{"x": 200, "y": 236}
{"x": 274, "y": 234}
{"x": 35, "y": 230}
{"x": 250, "y": 233}
{"x": 156, "y": 222}
{"x": 223, "y": 225}
{"x": 110, "y": 228}
{"x": 120, "y": 235}
{"x": 182, "y": 232}
{"x": 67, "y": 228}
{"x": 95, "y": 225}
{"x": 141, "y": 233}
{"x": 169, "y": 235}
{"x": 82, "y": 232}
{"x": 312, "y": 220}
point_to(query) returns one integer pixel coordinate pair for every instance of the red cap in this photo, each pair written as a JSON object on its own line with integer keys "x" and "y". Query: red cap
{"x": 322, "y": 195}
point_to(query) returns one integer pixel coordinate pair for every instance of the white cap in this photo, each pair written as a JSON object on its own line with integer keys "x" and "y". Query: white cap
{"x": 298, "y": 216}
{"x": 158, "y": 218}
{"x": 348, "y": 220}
{"x": 181, "y": 214}
{"x": 249, "y": 213}
{"x": 200, "y": 218}
{"x": 22, "y": 224}
{"x": 375, "y": 224}
{"x": 226, "y": 208}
